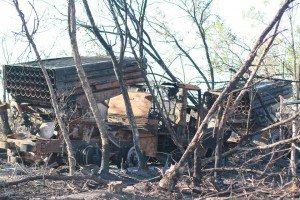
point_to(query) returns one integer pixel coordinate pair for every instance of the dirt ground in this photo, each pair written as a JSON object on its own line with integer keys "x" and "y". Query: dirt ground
{"x": 236, "y": 184}
{"x": 135, "y": 185}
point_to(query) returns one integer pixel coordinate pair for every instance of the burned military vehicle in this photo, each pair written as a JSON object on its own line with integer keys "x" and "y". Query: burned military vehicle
{"x": 36, "y": 136}
{"x": 257, "y": 108}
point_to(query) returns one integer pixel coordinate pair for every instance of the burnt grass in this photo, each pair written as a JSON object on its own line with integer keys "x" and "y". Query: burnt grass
{"x": 270, "y": 179}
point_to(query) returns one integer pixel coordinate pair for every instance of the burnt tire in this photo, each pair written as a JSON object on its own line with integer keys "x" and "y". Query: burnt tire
{"x": 88, "y": 154}
{"x": 132, "y": 158}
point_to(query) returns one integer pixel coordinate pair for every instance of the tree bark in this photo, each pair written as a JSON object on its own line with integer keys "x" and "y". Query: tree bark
{"x": 199, "y": 24}
{"x": 220, "y": 136}
{"x": 140, "y": 40}
{"x": 54, "y": 102}
{"x": 170, "y": 179}
{"x": 141, "y": 158}
{"x": 197, "y": 152}
{"x": 117, "y": 64}
{"x": 4, "y": 119}
{"x": 197, "y": 166}
{"x": 104, "y": 169}
{"x": 296, "y": 69}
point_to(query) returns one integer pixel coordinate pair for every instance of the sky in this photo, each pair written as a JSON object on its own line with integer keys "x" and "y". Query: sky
{"x": 53, "y": 41}
{"x": 231, "y": 11}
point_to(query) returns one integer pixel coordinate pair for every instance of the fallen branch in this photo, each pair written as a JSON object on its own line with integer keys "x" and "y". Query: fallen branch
{"x": 154, "y": 179}
{"x": 274, "y": 125}
{"x": 55, "y": 178}
{"x": 239, "y": 148}
{"x": 227, "y": 153}
{"x": 223, "y": 169}
{"x": 273, "y": 144}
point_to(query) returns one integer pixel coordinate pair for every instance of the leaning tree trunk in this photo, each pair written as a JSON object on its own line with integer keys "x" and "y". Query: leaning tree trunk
{"x": 161, "y": 108}
{"x": 54, "y": 102}
{"x": 293, "y": 165}
{"x": 141, "y": 159}
{"x": 171, "y": 177}
{"x": 117, "y": 64}
{"x": 104, "y": 169}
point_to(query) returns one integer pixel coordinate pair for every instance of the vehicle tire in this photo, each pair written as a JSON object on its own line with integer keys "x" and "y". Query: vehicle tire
{"x": 132, "y": 159}
{"x": 88, "y": 154}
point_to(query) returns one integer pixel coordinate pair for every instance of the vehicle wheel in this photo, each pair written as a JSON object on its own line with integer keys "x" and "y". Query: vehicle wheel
{"x": 94, "y": 156}
{"x": 132, "y": 159}
{"x": 88, "y": 154}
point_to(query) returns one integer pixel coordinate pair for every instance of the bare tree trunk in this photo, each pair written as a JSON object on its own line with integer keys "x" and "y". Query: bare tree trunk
{"x": 54, "y": 102}
{"x": 104, "y": 169}
{"x": 119, "y": 74}
{"x": 141, "y": 158}
{"x": 296, "y": 97}
{"x": 220, "y": 136}
{"x": 197, "y": 166}
{"x": 161, "y": 111}
{"x": 140, "y": 40}
{"x": 196, "y": 66}
{"x": 199, "y": 23}
{"x": 4, "y": 119}
{"x": 197, "y": 152}
{"x": 249, "y": 116}
{"x": 170, "y": 179}
{"x": 139, "y": 59}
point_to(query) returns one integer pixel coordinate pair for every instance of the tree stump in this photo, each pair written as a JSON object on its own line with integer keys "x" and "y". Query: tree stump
{"x": 115, "y": 186}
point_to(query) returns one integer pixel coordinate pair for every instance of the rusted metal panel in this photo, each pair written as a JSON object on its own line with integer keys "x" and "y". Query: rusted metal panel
{"x": 99, "y": 97}
{"x": 116, "y": 84}
{"x": 140, "y": 102}
{"x": 148, "y": 144}
{"x": 4, "y": 145}
{"x": 44, "y": 147}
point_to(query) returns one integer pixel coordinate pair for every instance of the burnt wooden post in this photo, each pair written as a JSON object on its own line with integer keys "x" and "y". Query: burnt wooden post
{"x": 281, "y": 133}
{"x": 183, "y": 101}
{"x": 217, "y": 136}
{"x": 54, "y": 102}
{"x": 4, "y": 119}
{"x": 220, "y": 134}
{"x": 252, "y": 95}
{"x": 197, "y": 151}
